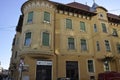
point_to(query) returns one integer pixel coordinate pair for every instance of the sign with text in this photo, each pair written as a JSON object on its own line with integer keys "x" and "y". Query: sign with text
{"x": 49, "y": 63}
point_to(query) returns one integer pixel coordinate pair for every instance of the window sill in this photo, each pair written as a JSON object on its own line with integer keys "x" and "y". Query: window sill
{"x": 47, "y": 22}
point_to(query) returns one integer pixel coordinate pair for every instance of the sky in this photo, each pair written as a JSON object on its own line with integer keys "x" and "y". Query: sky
{"x": 9, "y": 15}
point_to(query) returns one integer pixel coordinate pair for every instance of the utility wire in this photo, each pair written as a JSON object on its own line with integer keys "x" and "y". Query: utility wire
{"x": 114, "y": 10}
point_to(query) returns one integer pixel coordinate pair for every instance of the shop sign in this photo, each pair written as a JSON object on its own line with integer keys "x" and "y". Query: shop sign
{"x": 44, "y": 63}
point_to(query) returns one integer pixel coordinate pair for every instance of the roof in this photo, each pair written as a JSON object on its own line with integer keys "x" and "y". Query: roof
{"x": 79, "y": 6}
{"x": 75, "y": 7}
{"x": 113, "y": 16}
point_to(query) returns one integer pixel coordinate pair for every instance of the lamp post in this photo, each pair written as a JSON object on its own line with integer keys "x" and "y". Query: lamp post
{"x": 21, "y": 68}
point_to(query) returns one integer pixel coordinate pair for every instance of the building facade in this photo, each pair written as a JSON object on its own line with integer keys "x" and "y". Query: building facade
{"x": 55, "y": 40}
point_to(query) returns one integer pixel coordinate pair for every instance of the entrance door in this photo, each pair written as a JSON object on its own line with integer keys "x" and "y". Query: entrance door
{"x": 72, "y": 70}
{"x": 44, "y": 70}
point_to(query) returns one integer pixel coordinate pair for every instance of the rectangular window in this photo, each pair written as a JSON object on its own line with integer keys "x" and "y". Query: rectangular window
{"x": 83, "y": 45}
{"x": 82, "y": 26}
{"x": 68, "y": 23}
{"x": 118, "y": 48}
{"x": 98, "y": 45}
{"x": 71, "y": 44}
{"x": 27, "y": 39}
{"x": 47, "y": 16}
{"x": 95, "y": 28}
{"x": 45, "y": 39}
{"x": 104, "y": 28}
{"x": 90, "y": 66}
{"x": 107, "y": 45}
{"x": 30, "y": 17}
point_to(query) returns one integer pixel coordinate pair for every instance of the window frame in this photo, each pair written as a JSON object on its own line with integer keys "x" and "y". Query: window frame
{"x": 30, "y": 17}
{"x": 89, "y": 66}
{"x": 43, "y": 39}
{"x": 48, "y": 18}
{"x": 82, "y": 26}
{"x": 27, "y": 40}
{"x": 97, "y": 46}
{"x": 95, "y": 28}
{"x": 104, "y": 28}
{"x": 71, "y": 45}
{"x": 83, "y": 46}
{"x": 68, "y": 23}
{"x": 107, "y": 45}
{"x": 118, "y": 48}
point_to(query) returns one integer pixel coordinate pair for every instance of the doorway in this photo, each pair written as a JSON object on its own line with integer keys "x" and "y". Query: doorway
{"x": 44, "y": 70}
{"x": 72, "y": 70}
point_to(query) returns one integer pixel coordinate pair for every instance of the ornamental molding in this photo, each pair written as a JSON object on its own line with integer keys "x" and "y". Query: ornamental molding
{"x": 36, "y": 4}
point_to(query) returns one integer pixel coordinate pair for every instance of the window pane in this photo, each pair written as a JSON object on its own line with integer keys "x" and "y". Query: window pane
{"x": 69, "y": 23}
{"x": 45, "y": 39}
{"x": 71, "y": 44}
{"x": 27, "y": 39}
{"x": 90, "y": 66}
{"x": 104, "y": 28}
{"x": 47, "y": 16}
{"x": 98, "y": 45}
{"x": 30, "y": 17}
{"x": 83, "y": 45}
{"x": 118, "y": 48}
{"x": 82, "y": 26}
{"x": 107, "y": 45}
{"x": 95, "y": 28}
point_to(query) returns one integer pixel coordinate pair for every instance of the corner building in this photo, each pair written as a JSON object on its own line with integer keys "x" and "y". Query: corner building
{"x": 73, "y": 40}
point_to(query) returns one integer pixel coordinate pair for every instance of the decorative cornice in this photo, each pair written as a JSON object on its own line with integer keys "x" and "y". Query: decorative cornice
{"x": 36, "y": 4}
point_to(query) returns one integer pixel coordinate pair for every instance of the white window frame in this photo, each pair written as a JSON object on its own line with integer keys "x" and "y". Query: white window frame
{"x": 93, "y": 66}
{"x": 104, "y": 67}
{"x": 109, "y": 46}
{"x": 48, "y": 22}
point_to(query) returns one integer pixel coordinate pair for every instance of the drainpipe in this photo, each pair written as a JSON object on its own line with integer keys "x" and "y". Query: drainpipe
{"x": 54, "y": 40}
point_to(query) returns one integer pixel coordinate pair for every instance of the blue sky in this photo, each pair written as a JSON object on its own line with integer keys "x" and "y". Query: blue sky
{"x": 9, "y": 15}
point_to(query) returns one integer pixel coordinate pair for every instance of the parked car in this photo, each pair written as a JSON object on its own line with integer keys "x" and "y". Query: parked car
{"x": 109, "y": 76}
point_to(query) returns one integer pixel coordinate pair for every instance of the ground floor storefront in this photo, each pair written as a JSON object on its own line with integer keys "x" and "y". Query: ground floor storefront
{"x": 52, "y": 67}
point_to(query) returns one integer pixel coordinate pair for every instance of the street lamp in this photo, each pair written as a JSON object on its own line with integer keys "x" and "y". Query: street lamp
{"x": 21, "y": 65}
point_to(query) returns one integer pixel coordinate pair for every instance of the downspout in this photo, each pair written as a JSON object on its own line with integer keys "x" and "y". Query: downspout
{"x": 54, "y": 40}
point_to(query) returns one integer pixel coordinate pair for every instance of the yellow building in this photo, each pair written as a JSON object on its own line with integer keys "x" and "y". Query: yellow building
{"x": 55, "y": 40}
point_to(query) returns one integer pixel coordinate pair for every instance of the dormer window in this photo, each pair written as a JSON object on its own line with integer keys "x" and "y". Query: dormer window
{"x": 115, "y": 34}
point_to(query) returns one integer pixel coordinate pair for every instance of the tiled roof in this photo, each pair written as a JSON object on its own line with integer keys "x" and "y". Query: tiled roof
{"x": 113, "y": 16}
{"x": 79, "y": 6}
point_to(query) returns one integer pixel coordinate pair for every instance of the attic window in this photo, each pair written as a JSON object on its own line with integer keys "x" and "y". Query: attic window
{"x": 101, "y": 15}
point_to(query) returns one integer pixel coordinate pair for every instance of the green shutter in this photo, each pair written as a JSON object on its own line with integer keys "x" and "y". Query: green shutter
{"x": 30, "y": 17}
{"x": 104, "y": 27}
{"x": 82, "y": 26}
{"x": 47, "y": 16}
{"x": 45, "y": 40}
{"x": 69, "y": 23}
